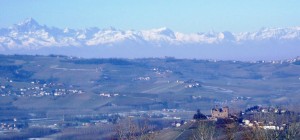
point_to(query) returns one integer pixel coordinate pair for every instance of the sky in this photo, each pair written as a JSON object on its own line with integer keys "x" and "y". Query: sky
{"x": 180, "y": 15}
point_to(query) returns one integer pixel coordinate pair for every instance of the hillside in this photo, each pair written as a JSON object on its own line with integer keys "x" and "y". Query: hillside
{"x": 114, "y": 85}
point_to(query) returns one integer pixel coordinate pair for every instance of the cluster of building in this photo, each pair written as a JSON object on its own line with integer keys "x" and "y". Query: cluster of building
{"x": 161, "y": 72}
{"x": 239, "y": 98}
{"x": 37, "y": 90}
{"x": 269, "y": 125}
{"x": 13, "y": 125}
{"x": 147, "y": 78}
{"x": 257, "y": 109}
{"x": 247, "y": 118}
{"x": 279, "y": 61}
{"x": 8, "y": 126}
{"x": 264, "y": 121}
{"x": 108, "y": 94}
{"x": 192, "y": 84}
{"x": 178, "y": 124}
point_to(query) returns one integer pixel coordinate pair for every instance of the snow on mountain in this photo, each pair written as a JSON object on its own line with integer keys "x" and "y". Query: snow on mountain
{"x": 292, "y": 33}
{"x": 29, "y": 34}
{"x": 27, "y": 25}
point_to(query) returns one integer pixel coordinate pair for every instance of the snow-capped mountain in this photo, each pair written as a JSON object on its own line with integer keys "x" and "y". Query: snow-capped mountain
{"x": 30, "y": 35}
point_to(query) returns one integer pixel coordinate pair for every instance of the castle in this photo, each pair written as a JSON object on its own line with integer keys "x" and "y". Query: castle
{"x": 220, "y": 112}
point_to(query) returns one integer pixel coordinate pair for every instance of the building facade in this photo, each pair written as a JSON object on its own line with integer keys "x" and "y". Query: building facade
{"x": 220, "y": 112}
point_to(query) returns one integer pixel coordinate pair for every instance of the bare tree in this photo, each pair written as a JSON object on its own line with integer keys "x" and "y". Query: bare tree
{"x": 231, "y": 130}
{"x": 293, "y": 131}
{"x": 120, "y": 131}
{"x": 257, "y": 133}
{"x": 132, "y": 130}
{"x": 146, "y": 130}
{"x": 205, "y": 130}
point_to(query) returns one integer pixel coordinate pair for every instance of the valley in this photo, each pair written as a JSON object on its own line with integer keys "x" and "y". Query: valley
{"x": 80, "y": 92}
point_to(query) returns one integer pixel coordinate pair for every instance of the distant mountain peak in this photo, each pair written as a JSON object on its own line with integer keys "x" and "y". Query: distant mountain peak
{"x": 29, "y": 22}
{"x": 29, "y": 34}
{"x": 164, "y": 31}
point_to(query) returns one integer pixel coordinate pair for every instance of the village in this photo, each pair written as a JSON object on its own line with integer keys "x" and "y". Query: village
{"x": 274, "y": 118}
{"x": 36, "y": 88}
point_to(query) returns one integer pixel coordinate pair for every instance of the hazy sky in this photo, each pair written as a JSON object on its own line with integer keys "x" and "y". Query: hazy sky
{"x": 180, "y": 15}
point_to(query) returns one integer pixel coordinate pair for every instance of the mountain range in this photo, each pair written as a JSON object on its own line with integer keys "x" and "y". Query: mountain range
{"x": 29, "y": 36}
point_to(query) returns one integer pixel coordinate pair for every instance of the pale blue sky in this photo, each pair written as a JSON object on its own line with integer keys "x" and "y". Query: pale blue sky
{"x": 180, "y": 15}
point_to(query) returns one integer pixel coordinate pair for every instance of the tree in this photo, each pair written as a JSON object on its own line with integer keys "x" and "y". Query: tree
{"x": 293, "y": 131}
{"x": 199, "y": 115}
{"x": 129, "y": 129}
{"x": 205, "y": 130}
